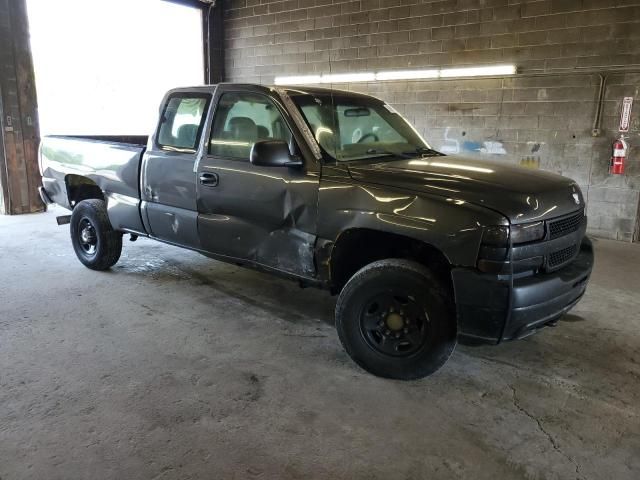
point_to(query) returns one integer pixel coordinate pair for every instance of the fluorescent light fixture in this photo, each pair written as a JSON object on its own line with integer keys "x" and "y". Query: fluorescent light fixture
{"x": 326, "y": 78}
{"x": 478, "y": 71}
{"x": 462, "y": 72}
{"x": 298, "y": 80}
{"x": 407, "y": 74}
{"x": 348, "y": 77}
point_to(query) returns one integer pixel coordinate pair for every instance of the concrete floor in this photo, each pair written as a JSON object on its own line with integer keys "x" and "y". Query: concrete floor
{"x": 176, "y": 366}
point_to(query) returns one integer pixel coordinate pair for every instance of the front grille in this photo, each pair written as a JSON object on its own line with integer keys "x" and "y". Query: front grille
{"x": 565, "y": 226}
{"x": 560, "y": 246}
{"x": 559, "y": 258}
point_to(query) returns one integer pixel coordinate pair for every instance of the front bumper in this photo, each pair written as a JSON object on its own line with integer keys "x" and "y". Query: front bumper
{"x": 491, "y": 309}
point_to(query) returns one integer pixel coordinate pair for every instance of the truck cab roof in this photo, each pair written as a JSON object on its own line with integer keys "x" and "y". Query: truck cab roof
{"x": 292, "y": 90}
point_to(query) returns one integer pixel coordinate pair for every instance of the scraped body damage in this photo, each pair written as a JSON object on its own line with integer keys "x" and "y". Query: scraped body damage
{"x": 444, "y": 223}
{"x": 260, "y": 214}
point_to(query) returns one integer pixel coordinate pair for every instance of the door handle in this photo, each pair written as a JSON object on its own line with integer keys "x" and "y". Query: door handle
{"x": 209, "y": 179}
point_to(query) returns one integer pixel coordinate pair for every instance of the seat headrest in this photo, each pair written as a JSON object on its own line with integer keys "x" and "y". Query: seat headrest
{"x": 187, "y": 136}
{"x": 243, "y": 128}
{"x": 263, "y": 132}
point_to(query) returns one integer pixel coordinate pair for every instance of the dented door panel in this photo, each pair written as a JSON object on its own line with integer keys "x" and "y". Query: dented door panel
{"x": 265, "y": 215}
{"x": 262, "y": 215}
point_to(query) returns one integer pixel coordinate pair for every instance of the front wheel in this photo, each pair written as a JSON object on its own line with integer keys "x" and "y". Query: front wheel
{"x": 394, "y": 319}
{"x": 97, "y": 245}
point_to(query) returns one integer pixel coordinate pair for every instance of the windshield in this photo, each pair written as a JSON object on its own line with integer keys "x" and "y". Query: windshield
{"x": 356, "y": 128}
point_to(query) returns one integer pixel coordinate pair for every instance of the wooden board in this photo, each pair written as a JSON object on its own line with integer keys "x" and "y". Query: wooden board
{"x": 18, "y": 121}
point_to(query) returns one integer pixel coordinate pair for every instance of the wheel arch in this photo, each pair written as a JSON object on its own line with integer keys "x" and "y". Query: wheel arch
{"x": 81, "y": 188}
{"x": 356, "y": 247}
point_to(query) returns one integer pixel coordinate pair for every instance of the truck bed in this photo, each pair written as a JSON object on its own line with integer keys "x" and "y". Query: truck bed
{"x": 112, "y": 163}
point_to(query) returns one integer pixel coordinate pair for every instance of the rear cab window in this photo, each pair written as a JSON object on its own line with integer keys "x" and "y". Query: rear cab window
{"x": 182, "y": 121}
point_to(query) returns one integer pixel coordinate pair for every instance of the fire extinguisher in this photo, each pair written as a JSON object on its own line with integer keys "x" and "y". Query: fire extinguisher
{"x": 620, "y": 149}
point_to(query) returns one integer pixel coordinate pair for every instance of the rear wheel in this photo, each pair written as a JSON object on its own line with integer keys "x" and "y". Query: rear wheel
{"x": 395, "y": 320}
{"x": 95, "y": 242}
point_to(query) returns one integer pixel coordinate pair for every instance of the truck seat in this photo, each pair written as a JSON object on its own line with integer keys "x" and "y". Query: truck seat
{"x": 186, "y": 137}
{"x": 243, "y": 129}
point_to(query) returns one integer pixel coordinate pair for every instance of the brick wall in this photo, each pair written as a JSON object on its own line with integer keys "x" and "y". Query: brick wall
{"x": 542, "y": 118}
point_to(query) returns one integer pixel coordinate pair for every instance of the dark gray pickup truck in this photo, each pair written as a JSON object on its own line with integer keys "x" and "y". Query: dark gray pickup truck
{"x": 336, "y": 190}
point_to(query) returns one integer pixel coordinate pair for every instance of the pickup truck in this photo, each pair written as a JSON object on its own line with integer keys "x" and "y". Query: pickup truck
{"x": 336, "y": 190}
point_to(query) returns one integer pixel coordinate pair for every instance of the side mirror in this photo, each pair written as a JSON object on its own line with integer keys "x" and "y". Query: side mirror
{"x": 273, "y": 153}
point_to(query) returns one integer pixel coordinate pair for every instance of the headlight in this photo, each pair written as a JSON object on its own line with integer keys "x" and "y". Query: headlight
{"x": 496, "y": 236}
{"x": 528, "y": 232}
{"x": 495, "y": 243}
{"x": 499, "y": 236}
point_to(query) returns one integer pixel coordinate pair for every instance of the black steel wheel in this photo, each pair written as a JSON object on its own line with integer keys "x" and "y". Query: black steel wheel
{"x": 394, "y": 323}
{"x": 394, "y": 318}
{"x": 95, "y": 242}
{"x": 87, "y": 237}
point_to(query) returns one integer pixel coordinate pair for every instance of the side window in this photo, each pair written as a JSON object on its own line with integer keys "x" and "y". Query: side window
{"x": 241, "y": 120}
{"x": 182, "y": 121}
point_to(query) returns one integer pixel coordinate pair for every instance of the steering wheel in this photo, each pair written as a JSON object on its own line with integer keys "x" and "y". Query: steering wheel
{"x": 366, "y": 135}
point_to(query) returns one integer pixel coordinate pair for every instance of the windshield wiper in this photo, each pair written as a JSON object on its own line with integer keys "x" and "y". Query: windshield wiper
{"x": 389, "y": 152}
{"x": 426, "y": 150}
{"x": 381, "y": 152}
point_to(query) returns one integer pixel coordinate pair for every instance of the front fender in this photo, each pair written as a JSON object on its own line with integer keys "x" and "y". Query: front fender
{"x": 452, "y": 226}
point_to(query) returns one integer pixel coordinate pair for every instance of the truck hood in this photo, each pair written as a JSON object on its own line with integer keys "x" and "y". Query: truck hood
{"x": 520, "y": 194}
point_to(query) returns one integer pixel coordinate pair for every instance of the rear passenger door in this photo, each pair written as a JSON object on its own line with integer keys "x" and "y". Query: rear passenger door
{"x": 266, "y": 215}
{"x": 168, "y": 178}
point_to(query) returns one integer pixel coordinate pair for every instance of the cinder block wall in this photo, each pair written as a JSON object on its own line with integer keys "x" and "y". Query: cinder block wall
{"x": 542, "y": 118}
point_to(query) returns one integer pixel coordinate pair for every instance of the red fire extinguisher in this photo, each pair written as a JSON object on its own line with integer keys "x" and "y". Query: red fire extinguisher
{"x": 620, "y": 148}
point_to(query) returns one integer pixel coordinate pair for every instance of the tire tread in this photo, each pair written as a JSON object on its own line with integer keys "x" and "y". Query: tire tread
{"x": 379, "y": 268}
{"x": 112, "y": 240}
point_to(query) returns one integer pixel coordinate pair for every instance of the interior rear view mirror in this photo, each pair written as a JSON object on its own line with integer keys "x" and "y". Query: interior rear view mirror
{"x": 357, "y": 112}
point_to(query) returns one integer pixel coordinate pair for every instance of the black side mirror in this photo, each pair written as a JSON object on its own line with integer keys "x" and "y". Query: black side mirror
{"x": 273, "y": 153}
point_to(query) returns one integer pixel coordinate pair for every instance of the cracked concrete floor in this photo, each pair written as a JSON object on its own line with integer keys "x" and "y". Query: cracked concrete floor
{"x": 174, "y": 366}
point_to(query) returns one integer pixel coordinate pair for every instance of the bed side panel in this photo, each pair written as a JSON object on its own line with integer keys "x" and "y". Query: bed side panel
{"x": 114, "y": 167}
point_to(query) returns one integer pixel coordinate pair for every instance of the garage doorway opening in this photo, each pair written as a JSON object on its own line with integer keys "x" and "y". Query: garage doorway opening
{"x": 102, "y": 67}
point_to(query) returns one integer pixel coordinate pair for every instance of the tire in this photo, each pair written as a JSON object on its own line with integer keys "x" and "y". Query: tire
{"x": 395, "y": 319}
{"x": 97, "y": 245}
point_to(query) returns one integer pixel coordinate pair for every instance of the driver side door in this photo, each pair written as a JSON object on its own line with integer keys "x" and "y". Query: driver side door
{"x": 261, "y": 214}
